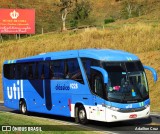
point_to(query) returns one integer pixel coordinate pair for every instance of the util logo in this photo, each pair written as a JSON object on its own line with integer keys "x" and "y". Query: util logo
{"x": 16, "y": 91}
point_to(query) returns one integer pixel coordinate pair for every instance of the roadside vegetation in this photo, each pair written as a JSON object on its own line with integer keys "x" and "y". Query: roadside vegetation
{"x": 11, "y": 119}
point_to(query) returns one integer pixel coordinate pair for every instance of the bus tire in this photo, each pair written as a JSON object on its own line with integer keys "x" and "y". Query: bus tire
{"x": 23, "y": 107}
{"x": 82, "y": 116}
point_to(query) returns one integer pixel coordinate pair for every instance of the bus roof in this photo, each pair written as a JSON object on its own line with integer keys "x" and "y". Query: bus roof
{"x": 98, "y": 54}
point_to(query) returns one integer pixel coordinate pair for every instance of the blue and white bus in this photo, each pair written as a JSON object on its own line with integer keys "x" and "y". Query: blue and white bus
{"x": 90, "y": 84}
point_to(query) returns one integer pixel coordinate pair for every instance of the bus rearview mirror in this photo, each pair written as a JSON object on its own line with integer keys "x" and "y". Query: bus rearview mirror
{"x": 154, "y": 73}
{"x": 103, "y": 72}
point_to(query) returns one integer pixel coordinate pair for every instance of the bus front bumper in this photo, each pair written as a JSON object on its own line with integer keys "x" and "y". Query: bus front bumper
{"x": 114, "y": 116}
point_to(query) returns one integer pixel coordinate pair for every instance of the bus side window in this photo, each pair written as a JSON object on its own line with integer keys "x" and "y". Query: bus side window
{"x": 39, "y": 70}
{"x": 74, "y": 70}
{"x": 13, "y": 71}
{"x": 9, "y": 71}
{"x": 42, "y": 73}
{"x": 36, "y": 74}
{"x": 46, "y": 70}
{"x": 58, "y": 68}
{"x": 18, "y": 71}
{"x": 66, "y": 71}
{"x": 86, "y": 65}
{"x": 30, "y": 71}
{"x": 97, "y": 85}
{"x": 24, "y": 71}
{"x": 51, "y": 70}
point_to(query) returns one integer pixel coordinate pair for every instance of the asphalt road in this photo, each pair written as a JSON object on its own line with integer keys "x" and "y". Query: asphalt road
{"x": 117, "y": 127}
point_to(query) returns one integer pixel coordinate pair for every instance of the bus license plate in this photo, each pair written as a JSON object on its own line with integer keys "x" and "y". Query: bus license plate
{"x": 133, "y": 116}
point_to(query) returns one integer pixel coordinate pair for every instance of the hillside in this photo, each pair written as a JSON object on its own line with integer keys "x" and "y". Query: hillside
{"x": 48, "y": 15}
{"x": 141, "y": 39}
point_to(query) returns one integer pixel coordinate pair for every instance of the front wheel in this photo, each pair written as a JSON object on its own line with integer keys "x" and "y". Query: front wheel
{"x": 82, "y": 116}
{"x": 23, "y": 107}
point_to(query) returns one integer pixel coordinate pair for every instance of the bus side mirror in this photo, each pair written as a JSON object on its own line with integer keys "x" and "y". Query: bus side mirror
{"x": 103, "y": 72}
{"x": 154, "y": 73}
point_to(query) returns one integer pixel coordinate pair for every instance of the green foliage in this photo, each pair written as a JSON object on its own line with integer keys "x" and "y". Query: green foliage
{"x": 109, "y": 20}
{"x": 67, "y": 3}
{"x": 73, "y": 23}
{"x": 82, "y": 10}
{"x": 66, "y": 7}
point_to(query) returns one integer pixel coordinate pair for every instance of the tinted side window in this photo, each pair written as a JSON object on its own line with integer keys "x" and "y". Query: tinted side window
{"x": 24, "y": 71}
{"x": 12, "y": 71}
{"x": 87, "y": 63}
{"x": 134, "y": 66}
{"x": 73, "y": 71}
{"x": 40, "y": 71}
{"x": 58, "y": 70}
{"x": 46, "y": 70}
{"x": 96, "y": 83}
{"x": 9, "y": 71}
{"x": 95, "y": 78}
{"x": 30, "y": 71}
{"x": 19, "y": 71}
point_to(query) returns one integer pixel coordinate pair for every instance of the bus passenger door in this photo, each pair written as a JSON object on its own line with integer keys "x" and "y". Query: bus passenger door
{"x": 98, "y": 110}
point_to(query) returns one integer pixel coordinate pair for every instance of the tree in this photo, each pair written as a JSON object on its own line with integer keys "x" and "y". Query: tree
{"x": 129, "y": 7}
{"x": 66, "y": 7}
{"x": 82, "y": 10}
{"x": 132, "y": 8}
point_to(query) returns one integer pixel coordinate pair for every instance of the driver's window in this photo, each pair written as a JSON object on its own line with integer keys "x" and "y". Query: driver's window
{"x": 97, "y": 85}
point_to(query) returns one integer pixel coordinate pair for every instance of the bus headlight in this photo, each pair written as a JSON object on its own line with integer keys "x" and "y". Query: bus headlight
{"x": 113, "y": 108}
{"x": 146, "y": 106}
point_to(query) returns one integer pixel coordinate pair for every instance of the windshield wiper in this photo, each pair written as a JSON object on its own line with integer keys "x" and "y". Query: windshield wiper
{"x": 132, "y": 101}
{"x": 115, "y": 100}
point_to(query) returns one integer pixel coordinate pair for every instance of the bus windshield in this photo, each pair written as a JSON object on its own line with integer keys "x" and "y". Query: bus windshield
{"x": 127, "y": 82}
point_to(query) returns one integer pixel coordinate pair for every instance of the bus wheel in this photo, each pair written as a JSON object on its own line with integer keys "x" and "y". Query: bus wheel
{"x": 23, "y": 107}
{"x": 82, "y": 116}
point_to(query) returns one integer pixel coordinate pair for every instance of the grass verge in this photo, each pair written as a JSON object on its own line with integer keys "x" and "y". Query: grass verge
{"x": 12, "y": 119}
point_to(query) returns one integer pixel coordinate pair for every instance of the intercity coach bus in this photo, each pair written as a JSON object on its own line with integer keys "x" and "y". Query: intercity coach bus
{"x": 90, "y": 84}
